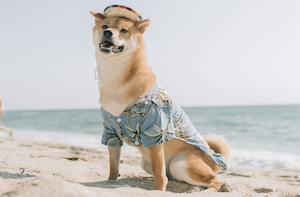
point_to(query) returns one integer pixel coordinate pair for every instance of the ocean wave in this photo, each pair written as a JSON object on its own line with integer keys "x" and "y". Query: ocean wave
{"x": 254, "y": 159}
{"x": 263, "y": 159}
{"x": 29, "y": 113}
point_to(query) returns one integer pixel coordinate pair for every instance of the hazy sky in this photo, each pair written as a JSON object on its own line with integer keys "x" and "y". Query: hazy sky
{"x": 206, "y": 53}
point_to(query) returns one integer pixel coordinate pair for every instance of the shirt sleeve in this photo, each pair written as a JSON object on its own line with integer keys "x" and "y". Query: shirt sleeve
{"x": 110, "y": 138}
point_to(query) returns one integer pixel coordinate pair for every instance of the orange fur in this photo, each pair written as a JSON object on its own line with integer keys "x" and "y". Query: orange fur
{"x": 114, "y": 161}
{"x": 157, "y": 160}
{"x": 134, "y": 78}
{"x": 201, "y": 172}
{"x": 200, "y": 166}
{"x": 126, "y": 78}
{"x": 218, "y": 144}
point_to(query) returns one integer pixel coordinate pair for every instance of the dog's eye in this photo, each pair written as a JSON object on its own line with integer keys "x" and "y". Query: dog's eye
{"x": 104, "y": 27}
{"x": 123, "y": 30}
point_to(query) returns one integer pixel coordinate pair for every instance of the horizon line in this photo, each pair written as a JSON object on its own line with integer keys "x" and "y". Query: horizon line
{"x": 185, "y": 106}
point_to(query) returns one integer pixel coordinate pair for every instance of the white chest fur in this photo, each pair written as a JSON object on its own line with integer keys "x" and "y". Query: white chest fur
{"x": 110, "y": 75}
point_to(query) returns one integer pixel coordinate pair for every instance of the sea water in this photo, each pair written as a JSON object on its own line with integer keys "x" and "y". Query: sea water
{"x": 265, "y": 137}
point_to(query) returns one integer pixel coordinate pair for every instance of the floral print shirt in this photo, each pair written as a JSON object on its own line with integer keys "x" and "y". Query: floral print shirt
{"x": 152, "y": 119}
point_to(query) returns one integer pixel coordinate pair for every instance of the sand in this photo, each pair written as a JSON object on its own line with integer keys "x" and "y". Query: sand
{"x": 36, "y": 168}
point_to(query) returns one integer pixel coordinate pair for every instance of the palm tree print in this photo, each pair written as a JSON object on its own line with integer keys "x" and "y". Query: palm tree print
{"x": 122, "y": 135}
{"x": 162, "y": 97}
{"x": 181, "y": 126}
{"x": 108, "y": 117}
{"x": 155, "y": 119}
{"x": 199, "y": 140}
{"x": 162, "y": 134}
{"x": 135, "y": 132}
{"x": 114, "y": 138}
{"x": 182, "y": 134}
{"x": 129, "y": 111}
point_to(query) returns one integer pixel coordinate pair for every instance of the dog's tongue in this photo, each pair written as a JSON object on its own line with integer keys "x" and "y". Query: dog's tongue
{"x": 107, "y": 44}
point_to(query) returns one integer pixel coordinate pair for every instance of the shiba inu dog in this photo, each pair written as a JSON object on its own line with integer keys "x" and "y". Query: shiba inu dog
{"x": 138, "y": 111}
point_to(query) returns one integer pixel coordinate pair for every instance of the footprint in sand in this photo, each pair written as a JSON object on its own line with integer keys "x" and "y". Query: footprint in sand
{"x": 235, "y": 174}
{"x": 263, "y": 190}
{"x": 292, "y": 180}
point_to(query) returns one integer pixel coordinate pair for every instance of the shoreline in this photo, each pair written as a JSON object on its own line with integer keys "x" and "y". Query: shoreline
{"x": 183, "y": 106}
{"x": 32, "y": 168}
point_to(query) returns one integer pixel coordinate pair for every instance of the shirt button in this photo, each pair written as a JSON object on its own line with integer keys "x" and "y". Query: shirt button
{"x": 119, "y": 120}
{"x": 146, "y": 102}
{"x": 136, "y": 143}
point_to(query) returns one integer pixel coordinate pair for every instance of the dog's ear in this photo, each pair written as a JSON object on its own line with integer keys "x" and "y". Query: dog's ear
{"x": 98, "y": 17}
{"x": 142, "y": 25}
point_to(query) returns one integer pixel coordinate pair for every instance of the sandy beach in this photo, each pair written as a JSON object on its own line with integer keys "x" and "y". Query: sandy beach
{"x": 37, "y": 168}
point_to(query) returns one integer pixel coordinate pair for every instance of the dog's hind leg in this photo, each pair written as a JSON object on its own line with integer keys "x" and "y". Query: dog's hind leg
{"x": 190, "y": 168}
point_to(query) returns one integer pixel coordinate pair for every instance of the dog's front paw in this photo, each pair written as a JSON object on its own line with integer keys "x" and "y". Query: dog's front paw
{"x": 161, "y": 184}
{"x": 113, "y": 176}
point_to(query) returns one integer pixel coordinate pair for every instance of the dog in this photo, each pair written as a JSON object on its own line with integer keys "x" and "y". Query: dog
{"x": 139, "y": 111}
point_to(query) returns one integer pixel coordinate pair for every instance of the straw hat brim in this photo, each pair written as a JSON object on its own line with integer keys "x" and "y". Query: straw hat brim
{"x": 122, "y": 11}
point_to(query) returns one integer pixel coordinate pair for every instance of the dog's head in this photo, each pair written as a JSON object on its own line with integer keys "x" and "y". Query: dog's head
{"x": 117, "y": 36}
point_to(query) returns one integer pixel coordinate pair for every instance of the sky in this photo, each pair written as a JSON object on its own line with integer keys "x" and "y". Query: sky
{"x": 205, "y": 53}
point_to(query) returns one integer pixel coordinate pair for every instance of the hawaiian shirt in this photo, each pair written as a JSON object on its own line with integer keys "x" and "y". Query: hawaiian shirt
{"x": 152, "y": 119}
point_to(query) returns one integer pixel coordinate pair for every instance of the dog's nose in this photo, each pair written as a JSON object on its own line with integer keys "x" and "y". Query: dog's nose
{"x": 107, "y": 33}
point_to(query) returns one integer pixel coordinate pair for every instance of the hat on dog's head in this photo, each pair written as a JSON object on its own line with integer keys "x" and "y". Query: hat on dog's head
{"x": 122, "y": 11}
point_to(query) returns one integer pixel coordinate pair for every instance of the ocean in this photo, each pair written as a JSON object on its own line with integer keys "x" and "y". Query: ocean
{"x": 265, "y": 137}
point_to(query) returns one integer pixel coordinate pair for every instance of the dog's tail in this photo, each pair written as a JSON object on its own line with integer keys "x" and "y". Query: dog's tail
{"x": 218, "y": 144}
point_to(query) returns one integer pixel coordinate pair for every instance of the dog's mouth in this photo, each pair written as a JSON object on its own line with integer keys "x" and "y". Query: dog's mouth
{"x": 108, "y": 47}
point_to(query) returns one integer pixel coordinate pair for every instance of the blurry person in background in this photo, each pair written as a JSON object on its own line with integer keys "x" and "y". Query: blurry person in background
{"x": 1, "y": 114}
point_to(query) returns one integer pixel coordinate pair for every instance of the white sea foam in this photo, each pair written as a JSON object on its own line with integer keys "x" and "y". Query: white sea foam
{"x": 263, "y": 159}
{"x": 86, "y": 140}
